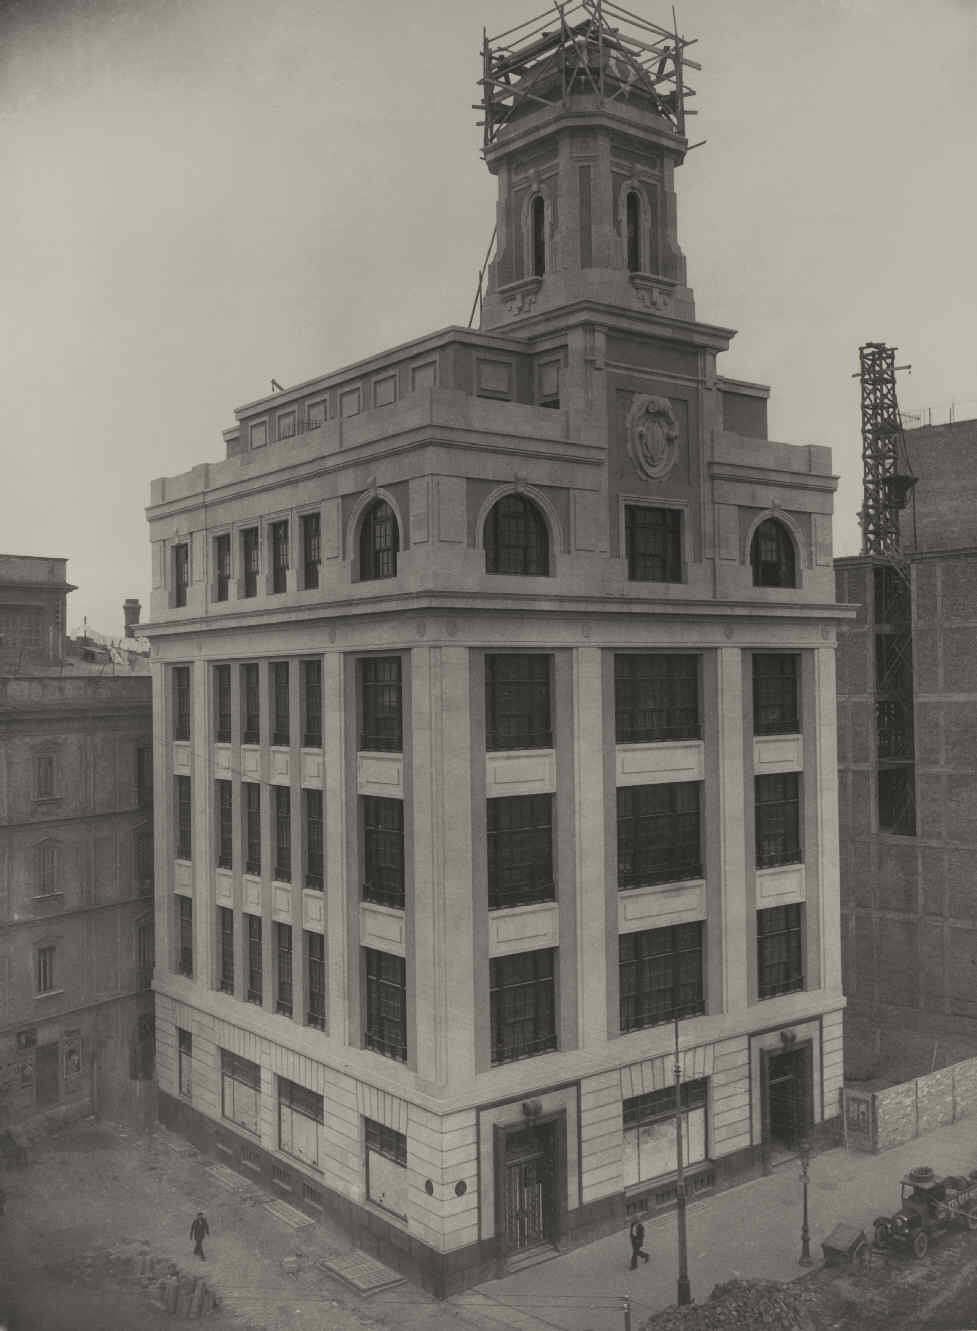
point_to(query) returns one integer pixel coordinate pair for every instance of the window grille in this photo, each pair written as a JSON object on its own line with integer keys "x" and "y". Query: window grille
{"x": 385, "y": 1141}
{"x": 255, "y": 976}
{"x": 778, "y": 832}
{"x": 381, "y": 727}
{"x": 252, "y": 827}
{"x": 516, "y": 538}
{"x": 181, "y": 573}
{"x": 279, "y": 556}
{"x": 226, "y": 927}
{"x": 252, "y": 704}
{"x": 185, "y": 937}
{"x": 383, "y": 851}
{"x": 280, "y": 703}
{"x": 181, "y": 702}
{"x": 656, "y": 697}
{"x": 386, "y": 1004}
{"x": 283, "y": 1001}
{"x": 517, "y": 701}
{"x": 225, "y": 824}
{"x": 661, "y": 975}
{"x": 520, "y": 851}
{"x": 222, "y": 704}
{"x": 241, "y": 1096}
{"x": 313, "y": 839}
{"x": 659, "y": 833}
{"x": 379, "y": 542}
{"x": 311, "y": 551}
{"x": 283, "y": 834}
{"x": 780, "y": 963}
{"x": 653, "y": 543}
{"x": 184, "y": 818}
{"x": 250, "y": 560}
{"x": 522, "y": 1001}
{"x": 775, "y": 694}
{"x": 315, "y": 957}
{"x": 222, "y": 566}
{"x": 312, "y": 704}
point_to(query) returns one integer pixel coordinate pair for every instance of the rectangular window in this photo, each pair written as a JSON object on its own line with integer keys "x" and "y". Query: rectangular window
{"x": 315, "y": 968}
{"x": 383, "y": 851}
{"x": 522, "y": 1001}
{"x": 250, "y": 560}
{"x": 145, "y": 869}
{"x": 48, "y": 864}
{"x": 225, "y": 824}
{"x": 778, "y": 832}
{"x": 286, "y": 425}
{"x": 517, "y": 702}
{"x": 255, "y": 977}
{"x": 775, "y": 694}
{"x": 656, "y": 697}
{"x": 252, "y": 827}
{"x": 283, "y": 947}
{"x": 225, "y": 924}
{"x": 144, "y": 776}
{"x": 279, "y": 556}
{"x": 316, "y": 415}
{"x": 381, "y": 726}
{"x": 184, "y": 1044}
{"x": 184, "y": 818}
{"x": 780, "y": 963}
{"x": 44, "y": 787}
{"x": 520, "y": 851}
{"x": 279, "y": 703}
{"x": 313, "y": 839}
{"x": 259, "y": 434}
{"x": 45, "y": 977}
{"x": 386, "y": 1004}
{"x": 312, "y": 704}
{"x": 283, "y": 834}
{"x": 649, "y": 1132}
{"x": 386, "y": 1167}
{"x": 222, "y": 566}
{"x": 897, "y": 800}
{"x": 240, "y": 1091}
{"x": 185, "y": 937}
{"x": 144, "y": 955}
{"x": 661, "y": 975}
{"x": 659, "y": 834}
{"x": 181, "y": 573}
{"x": 311, "y": 554}
{"x": 222, "y": 704}
{"x": 181, "y": 702}
{"x": 300, "y": 1115}
{"x": 251, "y": 730}
{"x": 653, "y": 543}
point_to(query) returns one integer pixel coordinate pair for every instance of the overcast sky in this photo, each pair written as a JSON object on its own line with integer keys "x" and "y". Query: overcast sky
{"x": 202, "y": 194}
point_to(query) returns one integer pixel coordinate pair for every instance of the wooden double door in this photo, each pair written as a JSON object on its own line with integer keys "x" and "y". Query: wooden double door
{"x": 531, "y": 1178}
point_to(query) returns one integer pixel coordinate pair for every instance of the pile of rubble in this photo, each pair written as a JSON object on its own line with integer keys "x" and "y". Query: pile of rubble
{"x": 744, "y": 1304}
{"x": 168, "y": 1288}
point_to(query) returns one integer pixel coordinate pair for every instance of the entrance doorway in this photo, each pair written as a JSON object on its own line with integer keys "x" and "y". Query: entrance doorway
{"x": 530, "y": 1187}
{"x": 46, "y": 1087}
{"x": 788, "y": 1097}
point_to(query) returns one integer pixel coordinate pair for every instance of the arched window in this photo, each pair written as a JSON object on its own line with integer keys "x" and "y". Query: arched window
{"x": 516, "y": 540}
{"x": 772, "y": 555}
{"x": 633, "y": 222}
{"x": 539, "y": 236}
{"x": 379, "y": 542}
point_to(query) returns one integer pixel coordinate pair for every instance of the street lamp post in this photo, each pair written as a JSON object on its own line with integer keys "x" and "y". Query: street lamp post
{"x": 684, "y": 1290}
{"x": 805, "y": 1154}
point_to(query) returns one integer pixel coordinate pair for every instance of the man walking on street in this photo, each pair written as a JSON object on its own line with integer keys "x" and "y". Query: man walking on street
{"x": 200, "y": 1229}
{"x": 637, "y": 1237}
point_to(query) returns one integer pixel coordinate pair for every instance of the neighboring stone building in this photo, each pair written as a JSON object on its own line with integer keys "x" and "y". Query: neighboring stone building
{"x": 908, "y": 775}
{"x": 495, "y": 727}
{"x": 76, "y": 862}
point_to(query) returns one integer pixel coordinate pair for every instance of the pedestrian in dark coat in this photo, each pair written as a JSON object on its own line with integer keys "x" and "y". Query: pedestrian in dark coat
{"x": 637, "y": 1236}
{"x": 199, "y": 1231}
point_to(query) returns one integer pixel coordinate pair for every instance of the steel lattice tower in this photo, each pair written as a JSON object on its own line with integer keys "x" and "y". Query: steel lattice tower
{"x": 884, "y": 488}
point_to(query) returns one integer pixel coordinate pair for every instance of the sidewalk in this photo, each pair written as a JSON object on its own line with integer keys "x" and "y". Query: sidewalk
{"x": 753, "y": 1230}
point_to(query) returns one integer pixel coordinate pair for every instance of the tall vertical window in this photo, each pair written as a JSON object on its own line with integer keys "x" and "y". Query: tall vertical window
{"x": 45, "y": 787}
{"x": 181, "y": 702}
{"x": 381, "y": 726}
{"x": 522, "y": 999}
{"x": 633, "y": 220}
{"x": 517, "y": 702}
{"x": 539, "y": 236}
{"x": 780, "y": 962}
{"x": 383, "y": 851}
{"x": 313, "y": 838}
{"x": 312, "y": 704}
{"x": 144, "y": 776}
{"x": 240, "y": 1091}
{"x": 520, "y": 851}
{"x": 386, "y": 1004}
{"x": 48, "y": 868}
{"x": 144, "y": 955}
{"x": 225, "y": 924}
{"x": 772, "y": 555}
{"x": 283, "y": 833}
{"x": 386, "y": 1167}
{"x": 778, "y": 826}
{"x": 181, "y": 573}
{"x": 251, "y": 729}
{"x": 279, "y": 703}
{"x": 145, "y": 869}
{"x": 279, "y": 555}
{"x": 225, "y": 825}
{"x": 45, "y": 980}
{"x": 283, "y": 947}
{"x": 184, "y": 959}
{"x": 222, "y": 566}
{"x": 775, "y": 700}
{"x": 222, "y": 704}
{"x": 661, "y": 975}
{"x": 184, "y": 818}
{"x": 254, "y": 959}
{"x": 184, "y": 1044}
{"x": 379, "y": 542}
{"x": 659, "y": 834}
{"x": 653, "y": 543}
{"x": 315, "y": 969}
{"x": 300, "y": 1115}
{"x": 250, "y": 560}
{"x": 311, "y": 552}
{"x": 252, "y": 826}
{"x": 656, "y": 697}
{"x": 516, "y": 539}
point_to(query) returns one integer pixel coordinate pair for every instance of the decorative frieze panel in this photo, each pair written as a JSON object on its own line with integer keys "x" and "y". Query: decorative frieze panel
{"x": 280, "y": 768}
{"x": 383, "y": 928}
{"x": 224, "y": 888}
{"x": 222, "y": 760}
{"x": 651, "y": 764}
{"x": 524, "y": 929}
{"x": 252, "y": 895}
{"x": 251, "y": 763}
{"x": 657, "y": 907}
{"x": 281, "y": 902}
{"x": 778, "y": 753}
{"x": 380, "y": 774}
{"x": 181, "y": 757}
{"x": 314, "y": 910}
{"x": 520, "y": 773}
{"x": 312, "y": 768}
{"x": 781, "y": 886}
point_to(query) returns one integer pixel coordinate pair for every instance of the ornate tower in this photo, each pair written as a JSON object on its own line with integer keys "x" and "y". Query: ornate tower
{"x": 584, "y": 126}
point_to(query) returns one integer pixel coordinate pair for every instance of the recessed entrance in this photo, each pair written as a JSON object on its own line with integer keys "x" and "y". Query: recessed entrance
{"x": 46, "y": 1075}
{"x": 787, "y": 1087}
{"x": 530, "y": 1187}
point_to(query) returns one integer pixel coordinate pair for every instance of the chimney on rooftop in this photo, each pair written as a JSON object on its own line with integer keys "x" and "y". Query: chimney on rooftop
{"x": 131, "y": 610}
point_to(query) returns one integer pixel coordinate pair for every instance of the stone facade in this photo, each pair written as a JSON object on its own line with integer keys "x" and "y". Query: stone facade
{"x": 599, "y": 409}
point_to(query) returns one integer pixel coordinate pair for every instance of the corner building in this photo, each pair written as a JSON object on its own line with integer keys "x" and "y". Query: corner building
{"x": 495, "y": 717}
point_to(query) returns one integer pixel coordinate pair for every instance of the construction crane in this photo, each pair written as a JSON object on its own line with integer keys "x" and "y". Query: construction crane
{"x": 885, "y": 488}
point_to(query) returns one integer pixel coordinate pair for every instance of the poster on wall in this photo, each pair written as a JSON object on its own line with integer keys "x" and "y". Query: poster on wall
{"x": 72, "y": 1054}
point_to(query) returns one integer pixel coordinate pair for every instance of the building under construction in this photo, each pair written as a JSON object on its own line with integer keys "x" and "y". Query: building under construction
{"x": 907, "y": 743}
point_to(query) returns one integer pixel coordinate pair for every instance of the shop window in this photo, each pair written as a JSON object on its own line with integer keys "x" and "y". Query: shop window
{"x": 649, "y": 1132}
{"x": 300, "y": 1116}
{"x": 386, "y": 1167}
{"x": 240, "y": 1091}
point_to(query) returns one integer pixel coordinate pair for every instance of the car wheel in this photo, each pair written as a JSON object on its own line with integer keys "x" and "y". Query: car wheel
{"x": 921, "y": 1243}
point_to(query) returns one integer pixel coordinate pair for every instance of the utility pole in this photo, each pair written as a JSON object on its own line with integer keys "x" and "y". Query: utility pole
{"x": 684, "y": 1290}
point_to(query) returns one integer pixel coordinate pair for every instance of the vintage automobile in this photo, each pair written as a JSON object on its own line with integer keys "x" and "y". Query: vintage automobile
{"x": 930, "y": 1204}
